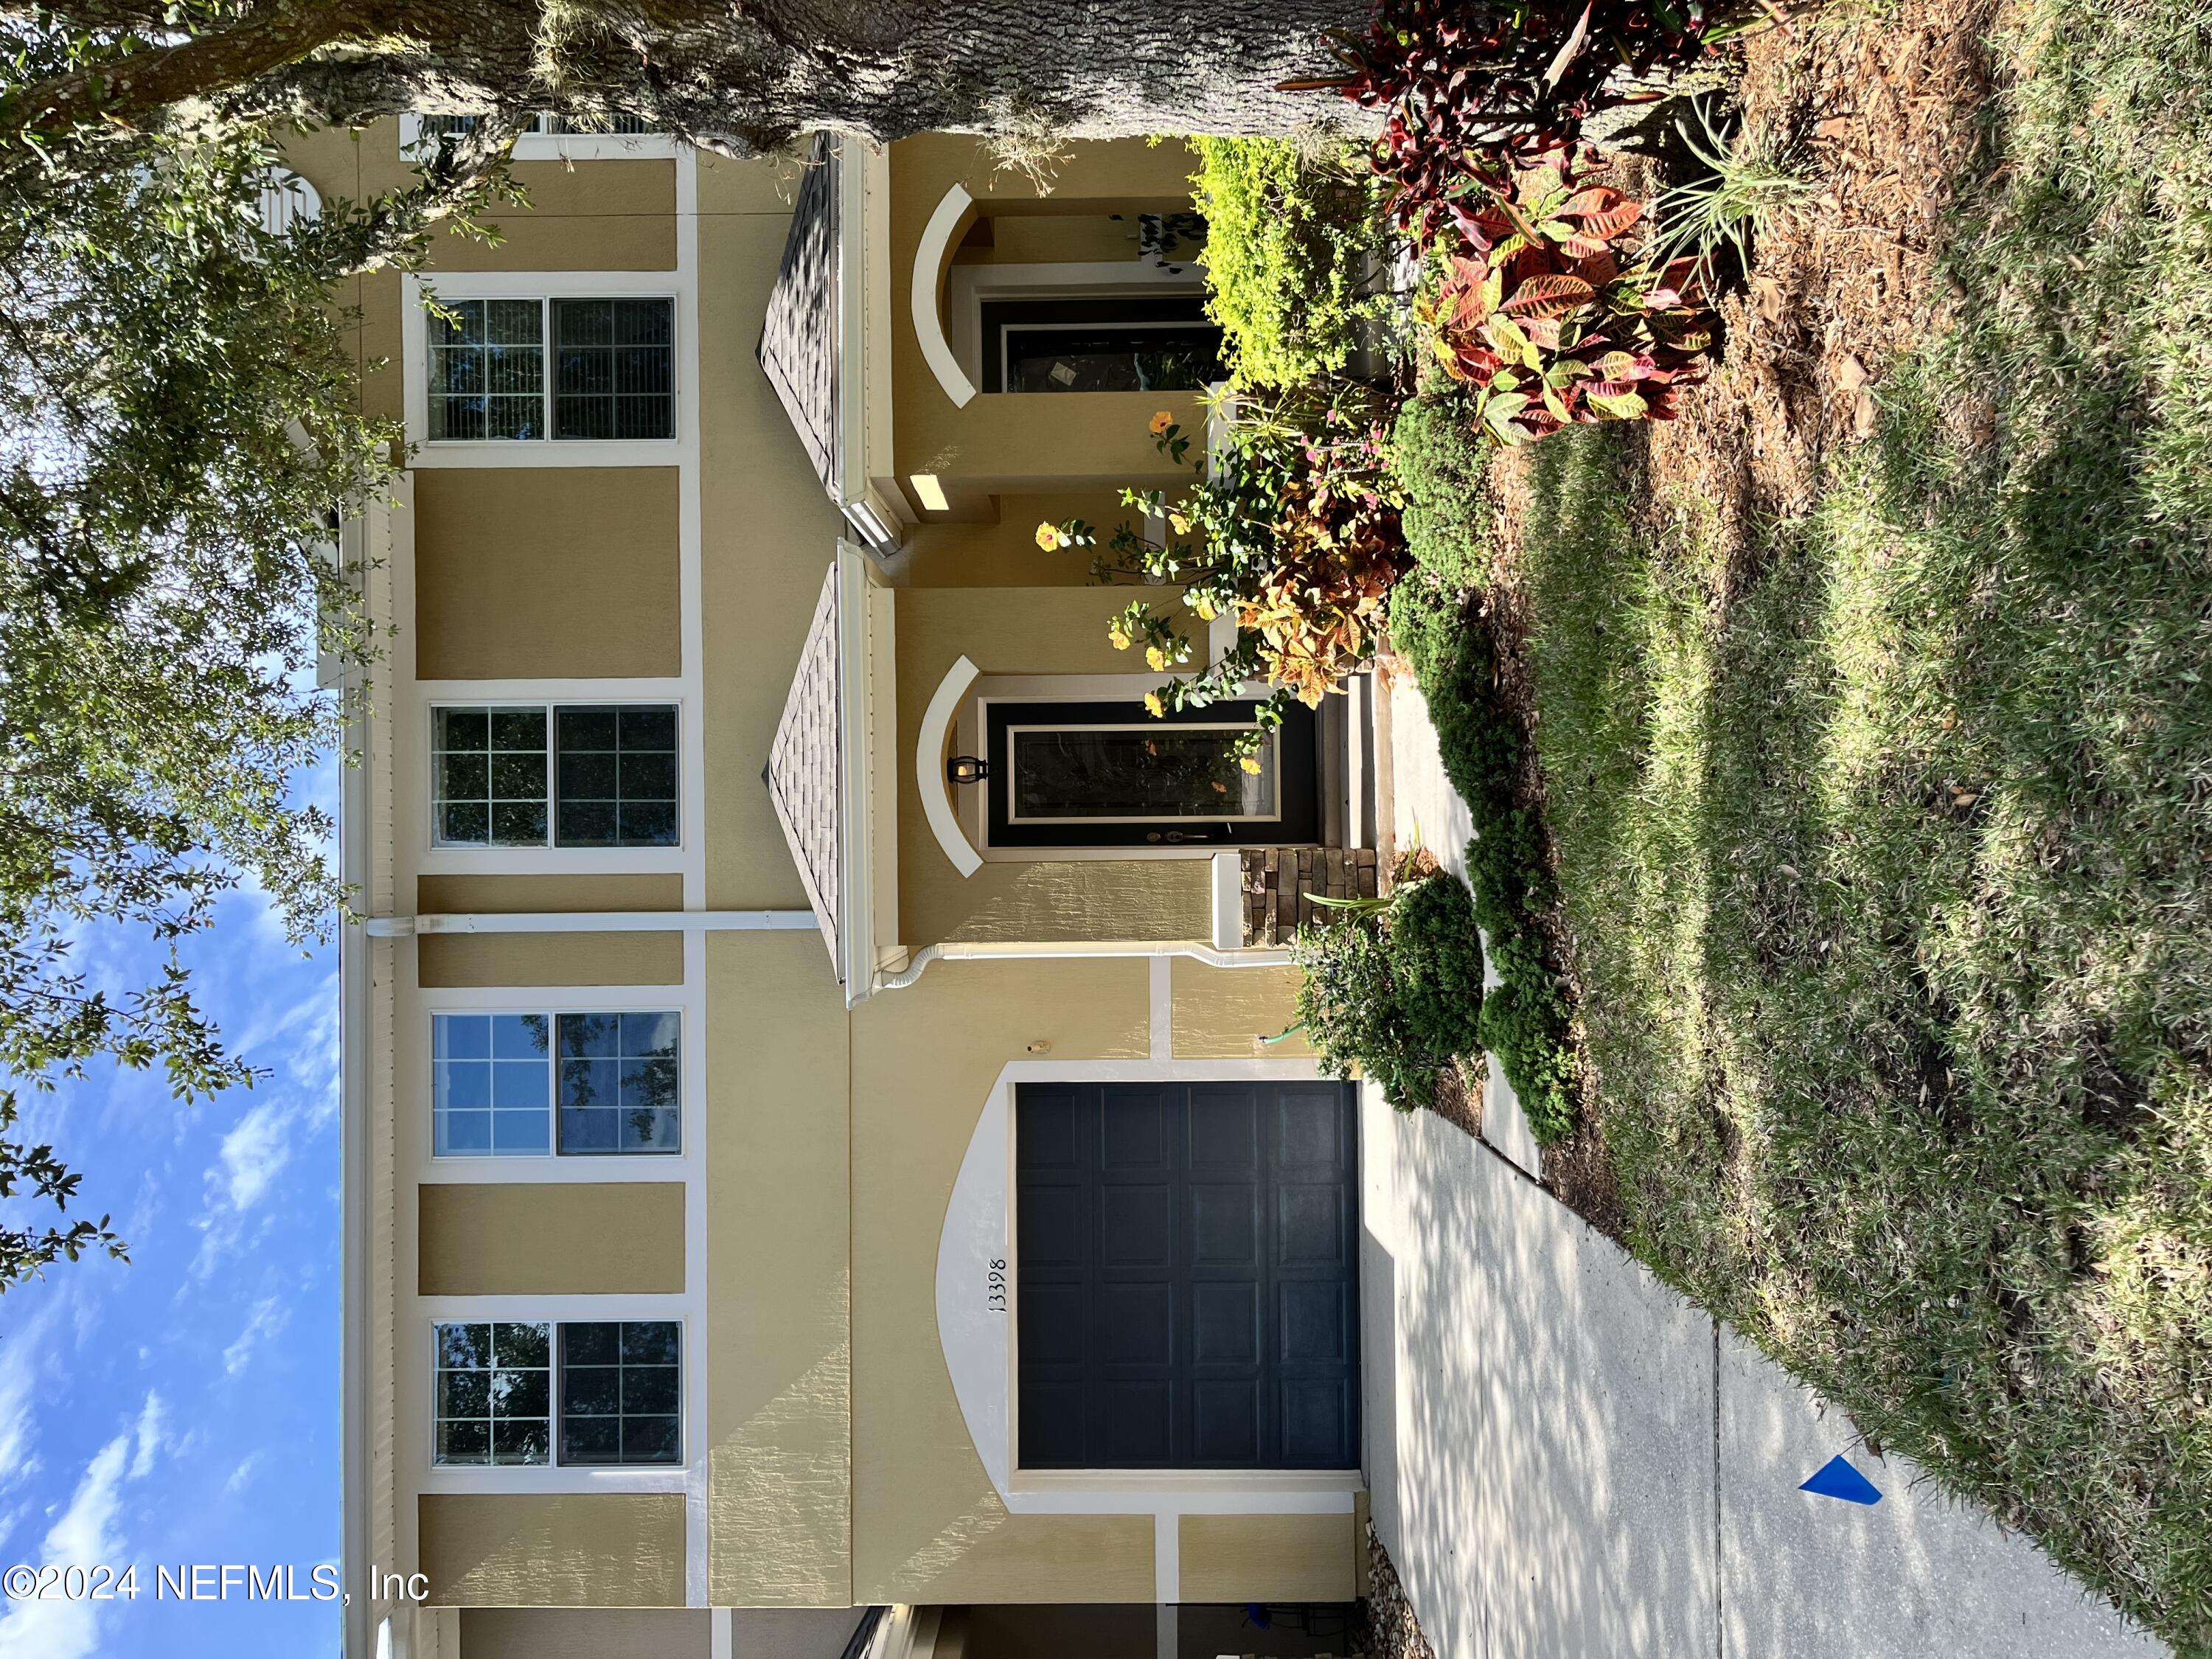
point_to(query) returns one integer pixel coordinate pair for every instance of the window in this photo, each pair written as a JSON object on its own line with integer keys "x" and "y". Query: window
{"x": 611, "y": 363}
{"x": 621, "y": 1393}
{"x": 493, "y": 1393}
{"x": 620, "y": 1385}
{"x": 492, "y": 1083}
{"x": 609, "y": 773}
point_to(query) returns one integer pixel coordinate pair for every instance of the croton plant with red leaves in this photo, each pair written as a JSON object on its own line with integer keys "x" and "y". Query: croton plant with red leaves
{"x": 1549, "y": 325}
{"x": 1473, "y": 91}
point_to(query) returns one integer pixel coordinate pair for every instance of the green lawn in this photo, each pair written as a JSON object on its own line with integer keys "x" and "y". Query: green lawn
{"x": 1890, "y": 879}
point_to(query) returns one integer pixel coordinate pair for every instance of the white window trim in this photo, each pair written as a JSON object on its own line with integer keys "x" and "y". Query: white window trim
{"x": 552, "y": 1165}
{"x": 555, "y": 1477}
{"x": 545, "y": 285}
{"x": 448, "y": 858}
{"x": 567, "y": 146}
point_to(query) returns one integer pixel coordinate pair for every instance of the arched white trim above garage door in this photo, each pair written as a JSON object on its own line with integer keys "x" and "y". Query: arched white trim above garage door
{"x": 928, "y": 316}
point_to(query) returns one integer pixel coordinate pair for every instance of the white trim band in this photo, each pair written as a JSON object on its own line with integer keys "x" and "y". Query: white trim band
{"x": 591, "y": 921}
{"x": 928, "y": 316}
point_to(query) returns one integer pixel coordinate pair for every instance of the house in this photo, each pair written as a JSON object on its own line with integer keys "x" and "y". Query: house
{"x": 782, "y": 1179}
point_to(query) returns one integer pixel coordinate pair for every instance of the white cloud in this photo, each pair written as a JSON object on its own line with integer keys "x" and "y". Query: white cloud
{"x": 242, "y": 1474}
{"x": 85, "y": 1535}
{"x": 267, "y": 1319}
{"x": 20, "y": 1355}
{"x": 255, "y": 1152}
{"x": 152, "y": 1425}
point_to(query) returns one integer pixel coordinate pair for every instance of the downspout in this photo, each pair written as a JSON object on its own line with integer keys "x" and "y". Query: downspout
{"x": 591, "y": 921}
{"x": 994, "y": 950}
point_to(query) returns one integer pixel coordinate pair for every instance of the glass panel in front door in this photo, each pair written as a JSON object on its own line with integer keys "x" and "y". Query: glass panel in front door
{"x": 1153, "y": 773}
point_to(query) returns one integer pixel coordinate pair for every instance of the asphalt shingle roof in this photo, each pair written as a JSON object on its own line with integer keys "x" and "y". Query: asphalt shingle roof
{"x": 799, "y": 340}
{"x": 804, "y": 768}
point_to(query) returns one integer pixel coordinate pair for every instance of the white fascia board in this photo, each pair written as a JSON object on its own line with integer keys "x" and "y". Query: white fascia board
{"x": 855, "y": 775}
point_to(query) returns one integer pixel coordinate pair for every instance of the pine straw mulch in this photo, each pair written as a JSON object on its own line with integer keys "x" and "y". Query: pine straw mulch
{"x": 1881, "y": 106}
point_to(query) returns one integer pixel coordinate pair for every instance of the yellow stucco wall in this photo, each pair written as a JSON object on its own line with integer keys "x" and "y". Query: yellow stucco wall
{"x": 596, "y": 215}
{"x": 779, "y": 1338}
{"x": 767, "y": 534}
{"x": 1221, "y": 1013}
{"x": 566, "y": 1238}
{"x": 454, "y": 960}
{"x": 1023, "y": 630}
{"x": 927, "y": 1526}
{"x": 551, "y": 572}
{"x": 1267, "y": 1557}
{"x": 509, "y": 895}
{"x": 597, "y": 1549}
{"x": 1000, "y": 442}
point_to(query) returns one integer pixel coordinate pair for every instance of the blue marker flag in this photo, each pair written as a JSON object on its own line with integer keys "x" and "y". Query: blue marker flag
{"x": 1837, "y": 1479}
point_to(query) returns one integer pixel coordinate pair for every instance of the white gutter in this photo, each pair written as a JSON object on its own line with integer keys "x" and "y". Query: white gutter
{"x": 590, "y": 922}
{"x": 1074, "y": 950}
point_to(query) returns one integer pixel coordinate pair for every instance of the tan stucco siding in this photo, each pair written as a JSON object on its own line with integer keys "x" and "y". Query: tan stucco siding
{"x": 456, "y": 960}
{"x": 586, "y": 1633}
{"x": 1023, "y": 630}
{"x": 493, "y": 895}
{"x": 927, "y": 1526}
{"x": 1267, "y": 1557}
{"x": 767, "y": 533}
{"x": 569, "y": 1238}
{"x": 598, "y": 1549}
{"x": 1221, "y": 1013}
{"x": 1004, "y": 554}
{"x": 524, "y": 573}
{"x": 778, "y": 1317}
{"x": 595, "y": 216}
{"x": 1003, "y": 442}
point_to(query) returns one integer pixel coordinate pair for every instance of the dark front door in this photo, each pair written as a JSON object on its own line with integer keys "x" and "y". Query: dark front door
{"x": 1186, "y": 1267}
{"x": 1110, "y": 775}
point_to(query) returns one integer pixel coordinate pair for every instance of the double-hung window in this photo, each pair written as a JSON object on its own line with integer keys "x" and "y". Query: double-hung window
{"x": 588, "y": 1393}
{"x": 560, "y": 775}
{"x": 524, "y": 369}
{"x": 581, "y": 1084}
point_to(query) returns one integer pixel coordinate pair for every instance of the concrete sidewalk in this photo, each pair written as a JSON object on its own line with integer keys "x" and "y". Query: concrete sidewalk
{"x": 1568, "y": 1460}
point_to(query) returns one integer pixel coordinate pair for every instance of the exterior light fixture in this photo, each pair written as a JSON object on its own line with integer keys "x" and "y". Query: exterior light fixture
{"x": 966, "y": 768}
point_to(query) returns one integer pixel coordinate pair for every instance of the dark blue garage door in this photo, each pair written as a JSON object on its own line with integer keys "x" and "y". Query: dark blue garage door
{"x": 1187, "y": 1275}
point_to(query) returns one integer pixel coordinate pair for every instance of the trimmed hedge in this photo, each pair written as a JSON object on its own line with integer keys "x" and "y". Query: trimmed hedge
{"x": 1442, "y": 632}
{"x": 1396, "y": 989}
{"x": 1287, "y": 240}
{"x": 1442, "y": 468}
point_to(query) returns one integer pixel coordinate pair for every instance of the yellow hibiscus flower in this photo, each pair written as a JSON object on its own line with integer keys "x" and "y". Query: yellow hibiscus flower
{"x": 1162, "y": 422}
{"x": 1047, "y": 536}
{"x": 1205, "y": 608}
{"x": 1119, "y": 637}
{"x": 1250, "y": 763}
{"x": 1157, "y": 658}
{"x": 1153, "y": 705}
{"x": 1179, "y": 524}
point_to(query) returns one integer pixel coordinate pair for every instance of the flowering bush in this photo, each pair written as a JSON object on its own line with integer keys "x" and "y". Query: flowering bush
{"x": 1548, "y": 327}
{"x": 1295, "y": 535}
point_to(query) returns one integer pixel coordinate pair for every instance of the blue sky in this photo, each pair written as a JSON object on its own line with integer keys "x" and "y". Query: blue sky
{"x": 184, "y": 1407}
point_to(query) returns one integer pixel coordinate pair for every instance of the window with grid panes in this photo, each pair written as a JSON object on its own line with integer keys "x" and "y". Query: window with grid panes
{"x": 490, "y": 1086}
{"x": 493, "y": 1393}
{"x": 616, "y": 775}
{"x": 487, "y": 370}
{"x": 622, "y": 1392}
{"x": 488, "y": 776}
{"x": 620, "y": 1083}
{"x": 613, "y": 369}
{"x": 609, "y": 774}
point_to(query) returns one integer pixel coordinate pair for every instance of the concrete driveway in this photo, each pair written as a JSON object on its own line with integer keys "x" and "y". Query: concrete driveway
{"x": 1567, "y": 1459}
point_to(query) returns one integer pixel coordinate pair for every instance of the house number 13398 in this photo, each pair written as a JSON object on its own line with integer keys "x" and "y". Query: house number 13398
{"x": 994, "y": 1286}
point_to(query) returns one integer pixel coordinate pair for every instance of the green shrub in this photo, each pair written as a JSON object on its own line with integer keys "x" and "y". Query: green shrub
{"x": 1523, "y": 1020}
{"x": 1395, "y": 989}
{"x": 1287, "y": 240}
{"x": 1441, "y": 468}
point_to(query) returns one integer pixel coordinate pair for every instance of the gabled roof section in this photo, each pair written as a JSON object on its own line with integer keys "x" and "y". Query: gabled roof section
{"x": 798, "y": 342}
{"x": 806, "y": 768}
